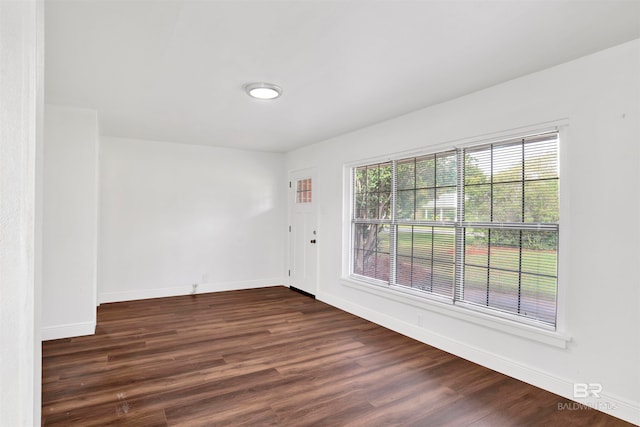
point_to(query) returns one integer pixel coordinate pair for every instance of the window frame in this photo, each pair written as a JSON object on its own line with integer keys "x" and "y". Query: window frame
{"x": 459, "y": 308}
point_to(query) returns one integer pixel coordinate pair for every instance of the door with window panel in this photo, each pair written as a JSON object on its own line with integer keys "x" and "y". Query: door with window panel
{"x": 303, "y": 233}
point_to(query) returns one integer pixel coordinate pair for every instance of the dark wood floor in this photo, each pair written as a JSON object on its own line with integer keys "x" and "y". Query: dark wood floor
{"x": 274, "y": 357}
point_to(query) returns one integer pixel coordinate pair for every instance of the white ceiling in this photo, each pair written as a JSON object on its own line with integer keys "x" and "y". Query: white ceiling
{"x": 174, "y": 70}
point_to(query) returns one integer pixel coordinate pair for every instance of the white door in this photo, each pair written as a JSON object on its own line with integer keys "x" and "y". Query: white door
{"x": 303, "y": 232}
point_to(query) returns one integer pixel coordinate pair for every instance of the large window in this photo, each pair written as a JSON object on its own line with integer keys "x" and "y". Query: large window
{"x": 476, "y": 226}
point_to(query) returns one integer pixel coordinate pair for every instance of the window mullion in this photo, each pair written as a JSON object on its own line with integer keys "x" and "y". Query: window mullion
{"x": 458, "y": 291}
{"x": 393, "y": 227}
{"x": 522, "y": 218}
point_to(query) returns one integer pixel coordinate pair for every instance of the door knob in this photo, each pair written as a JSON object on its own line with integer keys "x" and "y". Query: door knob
{"x": 313, "y": 241}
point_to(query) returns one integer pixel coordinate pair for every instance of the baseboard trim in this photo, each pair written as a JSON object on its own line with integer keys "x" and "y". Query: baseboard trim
{"x": 201, "y": 288}
{"x": 68, "y": 331}
{"x": 610, "y": 404}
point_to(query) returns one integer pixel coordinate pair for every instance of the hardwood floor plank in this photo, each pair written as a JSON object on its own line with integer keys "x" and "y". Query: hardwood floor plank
{"x": 248, "y": 415}
{"x": 271, "y": 356}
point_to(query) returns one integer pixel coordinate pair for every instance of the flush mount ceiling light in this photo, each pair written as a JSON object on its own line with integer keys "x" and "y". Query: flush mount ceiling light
{"x": 263, "y": 90}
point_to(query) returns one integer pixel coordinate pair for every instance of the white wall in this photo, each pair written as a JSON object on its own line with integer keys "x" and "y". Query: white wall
{"x": 70, "y": 222}
{"x": 175, "y": 215}
{"x": 600, "y": 97}
{"x": 21, "y": 58}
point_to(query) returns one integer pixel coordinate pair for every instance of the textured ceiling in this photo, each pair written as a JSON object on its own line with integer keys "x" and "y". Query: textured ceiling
{"x": 174, "y": 70}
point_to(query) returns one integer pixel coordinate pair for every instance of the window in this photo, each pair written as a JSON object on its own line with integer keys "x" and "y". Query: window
{"x": 372, "y": 225}
{"x": 476, "y": 226}
{"x": 304, "y": 191}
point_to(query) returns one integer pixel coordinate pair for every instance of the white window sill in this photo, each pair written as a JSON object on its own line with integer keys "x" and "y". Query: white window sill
{"x": 552, "y": 338}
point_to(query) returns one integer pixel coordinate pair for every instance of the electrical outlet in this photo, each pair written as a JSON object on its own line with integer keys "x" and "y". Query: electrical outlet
{"x": 194, "y": 288}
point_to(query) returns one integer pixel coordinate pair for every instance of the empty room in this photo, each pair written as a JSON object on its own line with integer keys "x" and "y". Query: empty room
{"x": 333, "y": 213}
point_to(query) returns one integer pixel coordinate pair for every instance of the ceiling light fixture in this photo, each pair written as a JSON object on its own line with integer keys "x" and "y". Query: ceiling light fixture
{"x": 263, "y": 90}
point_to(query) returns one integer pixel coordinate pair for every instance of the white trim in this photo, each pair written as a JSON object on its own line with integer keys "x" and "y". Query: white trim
{"x": 551, "y": 126}
{"x": 521, "y": 132}
{"x": 534, "y": 333}
{"x": 564, "y": 231}
{"x": 608, "y": 403}
{"x": 347, "y": 213}
{"x": 186, "y": 290}
{"x": 68, "y": 331}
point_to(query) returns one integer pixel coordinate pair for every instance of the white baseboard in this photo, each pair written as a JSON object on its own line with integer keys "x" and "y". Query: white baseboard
{"x": 68, "y": 331}
{"x": 202, "y": 288}
{"x": 610, "y": 404}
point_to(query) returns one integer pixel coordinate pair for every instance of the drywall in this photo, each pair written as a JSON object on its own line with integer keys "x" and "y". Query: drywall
{"x": 175, "y": 215}
{"x": 599, "y": 97}
{"x": 20, "y": 127}
{"x": 70, "y": 222}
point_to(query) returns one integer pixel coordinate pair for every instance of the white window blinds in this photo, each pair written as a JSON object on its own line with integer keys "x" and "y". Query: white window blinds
{"x": 509, "y": 227}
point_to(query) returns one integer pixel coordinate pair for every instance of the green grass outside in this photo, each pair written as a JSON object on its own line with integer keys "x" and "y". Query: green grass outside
{"x": 534, "y": 262}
